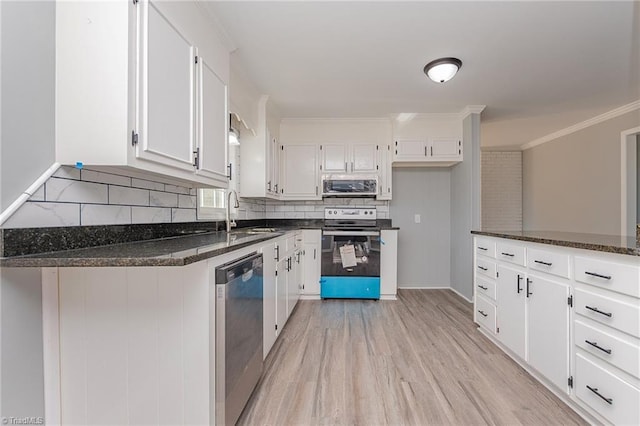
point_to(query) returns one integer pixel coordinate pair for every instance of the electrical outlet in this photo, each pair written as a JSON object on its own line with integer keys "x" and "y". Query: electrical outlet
{"x": 416, "y": 218}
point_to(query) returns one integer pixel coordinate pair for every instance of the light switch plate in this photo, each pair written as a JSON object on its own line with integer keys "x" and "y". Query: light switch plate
{"x": 416, "y": 218}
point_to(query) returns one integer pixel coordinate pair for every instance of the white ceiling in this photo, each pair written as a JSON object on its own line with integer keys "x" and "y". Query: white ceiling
{"x": 538, "y": 66}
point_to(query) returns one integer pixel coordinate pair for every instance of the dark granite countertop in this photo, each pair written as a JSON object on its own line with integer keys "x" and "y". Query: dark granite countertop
{"x": 171, "y": 251}
{"x": 597, "y": 242}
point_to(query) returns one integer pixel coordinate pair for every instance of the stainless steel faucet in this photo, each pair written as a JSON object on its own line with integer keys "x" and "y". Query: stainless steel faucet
{"x": 231, "y": 223}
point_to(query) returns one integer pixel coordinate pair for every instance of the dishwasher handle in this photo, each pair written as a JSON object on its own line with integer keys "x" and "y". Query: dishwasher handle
{"x": 227, "y": 271}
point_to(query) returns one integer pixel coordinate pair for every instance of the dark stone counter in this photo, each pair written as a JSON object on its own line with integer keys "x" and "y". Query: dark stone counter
{"x": 597, "y": 242}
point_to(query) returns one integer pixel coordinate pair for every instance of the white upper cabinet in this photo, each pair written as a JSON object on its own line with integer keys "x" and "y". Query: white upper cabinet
{"x": 142, "y": 85}
{"x": 260, "y": 152}
{"x": 349, "y": 158}
{"x": 300, "y": 178}
{"x": 427, "y": 140}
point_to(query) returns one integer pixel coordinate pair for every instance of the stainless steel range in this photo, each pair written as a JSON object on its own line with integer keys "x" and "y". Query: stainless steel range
{"x": 350, "y": 253}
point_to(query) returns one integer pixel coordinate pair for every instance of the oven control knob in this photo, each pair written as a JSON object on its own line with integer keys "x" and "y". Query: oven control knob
{"x": 335, "y": 212}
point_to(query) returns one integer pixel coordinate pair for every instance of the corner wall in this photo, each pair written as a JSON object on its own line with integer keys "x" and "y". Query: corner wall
{"x": 572, "y": 183}
{"x": 501, "y": 190}
{"x": 465, "y": 207}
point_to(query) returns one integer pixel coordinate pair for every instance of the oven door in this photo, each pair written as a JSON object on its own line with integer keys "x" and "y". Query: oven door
{"x": 366, "y": 247}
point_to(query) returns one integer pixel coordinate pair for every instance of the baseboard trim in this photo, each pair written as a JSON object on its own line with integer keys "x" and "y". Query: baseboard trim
{"x": 437, "y": 288}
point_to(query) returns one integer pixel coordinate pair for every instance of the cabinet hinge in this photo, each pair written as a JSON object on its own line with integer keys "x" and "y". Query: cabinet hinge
{"x": 570, "y": 381}
{"x": 134, "y": 138}
{"x": 377, "y": 147}
{"x": 459, "y": 143}
{"x": 196, "y": 59}
{"x": 276, "y": 273}
{"x": 320, "y": 147}
{"x": 377, "y": 168}
{"x": 135, "y": 2}
{"x": 497, "y": 274}
{"x": 497, "y": 330}
{"x": 276, "y": 326}
{"x": 388, "y": 147}
{"x": 570, "y": 301}
{"x": 281, "y": 147}
{"x": 459, "y": 152}
{"x": 320, "y": 166}
{"x": 196, "y": 158}
{"x": 396, "y": 143}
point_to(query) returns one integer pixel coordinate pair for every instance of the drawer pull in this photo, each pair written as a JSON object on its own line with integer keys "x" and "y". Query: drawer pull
{"x": 483, "y": 248}
{"x": 591, "y": 308}
{"x": 482, "y": 287}
{"x": 482, "y": 267}
{"x": 543, "y": 263}
{"x": 595, "y": 390}
{"x": 593, "y": 274}
{"x": 508, "y": 254}
{"x": 482, "y": 313}
{"x": 595, "y": 345}
{"x": 518, "y": 288}
{"x": 529, "y": 281}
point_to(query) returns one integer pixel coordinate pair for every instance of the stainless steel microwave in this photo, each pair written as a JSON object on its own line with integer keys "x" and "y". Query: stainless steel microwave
{"x": 349, "y": 186}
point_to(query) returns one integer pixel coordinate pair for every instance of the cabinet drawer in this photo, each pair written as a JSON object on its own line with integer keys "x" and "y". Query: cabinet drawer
{"x": 510, "y": 253}
{"x": 605, "y": 393}
{"x": 614, "y": 313}
{"x": 486, "y": 287}
{"x": 622, "y": 353}
{"x": 486, "y": 268}
{"x": 485, "y": 247}
{"x": 486, "y": 314}
{"x": 550, "y": 262}
{"x": 612, "y": 276}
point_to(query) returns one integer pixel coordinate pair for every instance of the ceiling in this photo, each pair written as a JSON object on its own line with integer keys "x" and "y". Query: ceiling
{"x": 538, "y": 66}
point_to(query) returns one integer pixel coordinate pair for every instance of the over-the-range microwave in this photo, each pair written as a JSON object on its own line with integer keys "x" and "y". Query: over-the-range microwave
{"x": 349, "y": 185}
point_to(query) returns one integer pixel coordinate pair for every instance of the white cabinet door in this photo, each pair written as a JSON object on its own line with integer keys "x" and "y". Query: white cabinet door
{"x": 510, "y": 314}
{"x": 548, "y": 329}
{"x": 293, "y": 281}
{"x": 167, "y": 82}
{"x": 334, "y": 158}
{"x": 275, "y": 167}
{"x": 300, "y": 172}
{"x": 363, "y": 158}
{"x": 213, "y": 125}
{"x": 281, "y": 294}
{"x": 389, "y": 263}
{"x": 410, "y": 150}
{"x": 269, "y": 297}
{"x": 445, "y": 148}
{"x": 384, "y": 173}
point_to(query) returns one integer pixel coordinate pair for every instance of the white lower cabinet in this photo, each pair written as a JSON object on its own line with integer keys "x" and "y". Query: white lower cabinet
{"x": 569, "y": 316}
{"x": 269, "y": 294}
{"x": 548, "y": 329}
{"x": 311, "y": 283}
{"x": 510, "y": 312}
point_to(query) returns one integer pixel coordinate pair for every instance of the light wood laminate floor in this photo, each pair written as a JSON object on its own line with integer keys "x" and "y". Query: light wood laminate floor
{"x": 418, "y": 360}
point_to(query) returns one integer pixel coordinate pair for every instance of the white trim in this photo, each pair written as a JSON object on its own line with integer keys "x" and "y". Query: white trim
{"x": 583, "y": 125}
{"x": 28, "y": 193}
{"x": 437, "y": 288}
{"x": 388, "y": 297}
{"x": 471, "y": 109}
{"x": 51, "y": 346}
{"x": 624, "y": 141}
{"x": 334, "y": 119}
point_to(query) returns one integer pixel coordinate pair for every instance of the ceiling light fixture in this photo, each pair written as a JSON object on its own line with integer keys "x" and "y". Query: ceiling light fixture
{"x": 233, "y": 137}
{"x": 442, "y": 69}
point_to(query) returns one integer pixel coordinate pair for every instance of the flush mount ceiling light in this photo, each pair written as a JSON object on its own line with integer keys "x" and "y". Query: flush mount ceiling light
{"x": 442, "y": 69}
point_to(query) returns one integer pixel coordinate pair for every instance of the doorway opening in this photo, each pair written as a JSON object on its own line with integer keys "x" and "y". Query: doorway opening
{"x": 630, "y": 181}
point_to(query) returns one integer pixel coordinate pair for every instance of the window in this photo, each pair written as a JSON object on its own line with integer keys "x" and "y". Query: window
{"x": 211, "y": 204}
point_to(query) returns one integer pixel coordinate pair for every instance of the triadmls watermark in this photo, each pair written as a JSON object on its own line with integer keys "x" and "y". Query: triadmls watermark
{"x": 27, "y": 420}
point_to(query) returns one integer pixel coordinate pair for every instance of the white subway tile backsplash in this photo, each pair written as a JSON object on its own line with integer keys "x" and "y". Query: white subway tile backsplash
{"x": 187, "y": 201}
{"x": 303, "y": 208}
{"x": 273, "y": 215}
{"x": 314, "y": 215}
{"x": 128, "y": 196}
{"x": 177, "y": 189}
{"x": 100, "y": 177}
{"x": 97, "y": 214}
{"x": 74, "y": 191}
{"x": 294, "y": 215}
{"x": 183, "y": 215}
{"x": 38, "y": 215}
{"x": 163, "y": 199}
{"x": 150, "y": 215}
{"x": 67, "y": 172}
{"x": 38, "y": 195}
{"x": 147, "y": 184}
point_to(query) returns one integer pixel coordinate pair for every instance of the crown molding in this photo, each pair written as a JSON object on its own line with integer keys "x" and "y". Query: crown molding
{"x": 335, "y": 119}
{"x": 471, "y": 109}
{"x": 583, "y": 125}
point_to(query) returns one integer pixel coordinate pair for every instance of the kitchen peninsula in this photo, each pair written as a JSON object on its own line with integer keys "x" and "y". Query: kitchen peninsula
{"x": 566, "y": 307}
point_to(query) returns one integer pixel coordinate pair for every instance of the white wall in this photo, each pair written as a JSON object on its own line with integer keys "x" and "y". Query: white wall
{"x": 501, "y": 190}
{"x": 465, "y": 207}
{"x": 27, "y": 37}
{"x": 423, "y": 248}
{"x": 572, "y": 183}
{"x": 638, "y": 180}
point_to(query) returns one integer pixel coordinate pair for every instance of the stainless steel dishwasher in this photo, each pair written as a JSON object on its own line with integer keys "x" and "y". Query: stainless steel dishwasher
{"x": 238, "y": 335}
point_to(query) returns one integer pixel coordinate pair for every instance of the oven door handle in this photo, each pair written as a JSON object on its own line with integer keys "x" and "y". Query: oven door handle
{"x": 352, "y": 233}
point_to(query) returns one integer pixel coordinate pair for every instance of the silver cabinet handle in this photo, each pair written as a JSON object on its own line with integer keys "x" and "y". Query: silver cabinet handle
{"x": 593, "y": 274}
